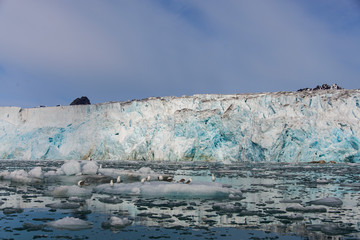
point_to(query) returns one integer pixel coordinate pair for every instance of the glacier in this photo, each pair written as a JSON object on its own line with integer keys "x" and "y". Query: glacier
{"x": 273, "y": 127}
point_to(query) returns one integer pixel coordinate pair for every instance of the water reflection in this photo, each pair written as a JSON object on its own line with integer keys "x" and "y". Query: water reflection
{"x": 274, "y": 198}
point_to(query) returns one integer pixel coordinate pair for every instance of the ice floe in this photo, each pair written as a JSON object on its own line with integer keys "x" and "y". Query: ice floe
{"x": 305, "y": 209}
{"x": 70, "y": 223}
{"x": 70, "y": 191}
{"x": 116, "y": 222}
{"x": 165, "y": 189}
{"x": 330, "y": 201}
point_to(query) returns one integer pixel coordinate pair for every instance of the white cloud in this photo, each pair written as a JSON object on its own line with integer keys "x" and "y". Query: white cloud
{"x": 116, "y": 50}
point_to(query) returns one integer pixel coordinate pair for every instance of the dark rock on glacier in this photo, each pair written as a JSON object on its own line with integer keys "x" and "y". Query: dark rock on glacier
{"x": 322, "y": 87}
{"x": 81, "y": 101}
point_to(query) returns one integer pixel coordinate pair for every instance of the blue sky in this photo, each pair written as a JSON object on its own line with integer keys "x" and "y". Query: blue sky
{"x": 54, "y": 51}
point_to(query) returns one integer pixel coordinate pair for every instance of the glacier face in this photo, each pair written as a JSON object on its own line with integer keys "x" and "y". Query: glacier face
{"x": 283, "y": 126}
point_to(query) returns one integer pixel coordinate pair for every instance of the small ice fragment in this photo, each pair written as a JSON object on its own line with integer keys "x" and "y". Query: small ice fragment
{"x": 322, "y": 181}
{"x": 330, "y": 201}
{"x": 290, "y": 201}
{"x": 71, "y": 191}
{"x": 10, "y": 210}
{"x": 4, "y": 174}
{"x": 71, "y": 167}
{"x": 145, "y": 170}
{"x": 90, "y": 168}
{"x": 337, "y": 229}
{"x": 111, "y": 200}
{"x": 307, "y": 209}
{"x": 292, "y": 217}
{"x": 18, "y": 176}
{"x": 65, "y": 205}
{"x": 116, "y": 222}
{"x": 76, "y": 199}
{"x": 36, "y": 173}
{"x": 70, "y": 223}
{"x": 226, "y": 207}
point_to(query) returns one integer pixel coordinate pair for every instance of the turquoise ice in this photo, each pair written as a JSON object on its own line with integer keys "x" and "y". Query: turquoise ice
{"x": 280, "y": 127}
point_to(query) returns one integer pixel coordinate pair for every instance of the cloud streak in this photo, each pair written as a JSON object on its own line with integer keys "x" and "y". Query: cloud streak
{"x": 54, "y": 51}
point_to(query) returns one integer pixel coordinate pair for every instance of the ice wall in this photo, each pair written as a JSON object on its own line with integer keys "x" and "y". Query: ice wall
{"x": 284, "y": 126}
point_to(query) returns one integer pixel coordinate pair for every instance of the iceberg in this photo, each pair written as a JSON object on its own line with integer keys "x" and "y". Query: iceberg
{"x": 304, "y": 126}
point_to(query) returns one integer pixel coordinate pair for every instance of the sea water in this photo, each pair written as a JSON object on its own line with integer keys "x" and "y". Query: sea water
{"x": 244, "y": 201}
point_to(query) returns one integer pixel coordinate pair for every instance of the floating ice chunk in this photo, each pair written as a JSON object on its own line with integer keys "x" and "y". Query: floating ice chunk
{"x": 76, "y": 199}
{"x": 59, "y": 171}
{"x": 63, "y": 205}
{"x": 290, "y": 201}
{"x": 330, "y": 201}
{"x": 89, "y": 168}
{"x": 51, "y": 173}
{"x": 166, "y": 189}
{"x": 71, "y": 191}
{"x": 11, "y": 210}
{"x": 116, "y": 222}
{"x": 307, "y": 209}
{"x": 71, "y": 167}
{"x": 4, "y": 174}
{"x": 179, "y": 190}
{"x": 322, "y": 181}
{"x": 332, "y": 229}
{"x": 112, "y": 200}
{"x": 97, "y": 179}
{"x": 292, "y": 217}
{"x": 19, "y": 176}
{"x": 36, "y": 173}
{"x": 145, "y": 170}
{"x": 70, "y": 223}
{"x": 226, "y": 207}
{"x": 337, "y": 229}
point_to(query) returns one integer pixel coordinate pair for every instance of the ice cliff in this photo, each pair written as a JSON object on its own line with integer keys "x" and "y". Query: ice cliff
{"x": 284, "y": 126}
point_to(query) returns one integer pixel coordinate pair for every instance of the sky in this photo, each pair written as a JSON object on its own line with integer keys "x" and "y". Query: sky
{"x": 52, "y": 52}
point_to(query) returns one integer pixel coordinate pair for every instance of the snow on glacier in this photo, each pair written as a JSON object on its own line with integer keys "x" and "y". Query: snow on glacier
{"x": 286, "y": 127}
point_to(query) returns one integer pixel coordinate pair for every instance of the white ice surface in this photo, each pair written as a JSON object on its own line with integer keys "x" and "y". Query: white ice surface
{"x": 70, "y": 223}
{"x": 286, "y": 127}
{"x": 118, "y": 222}
{"x": 70, "y": 191}
{"x": 36, "y": 172}
{"x": 329, "y": 201}
{"x": 71, "y": 167}
{"x": 166, "y": 189}
{"x": 89, "y": 168}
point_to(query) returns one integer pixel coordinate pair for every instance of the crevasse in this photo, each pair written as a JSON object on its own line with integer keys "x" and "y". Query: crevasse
{"x": 281, "y": 127}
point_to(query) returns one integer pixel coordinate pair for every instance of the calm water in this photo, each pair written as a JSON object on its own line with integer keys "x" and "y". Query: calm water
{"x": 269, "y": 208}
